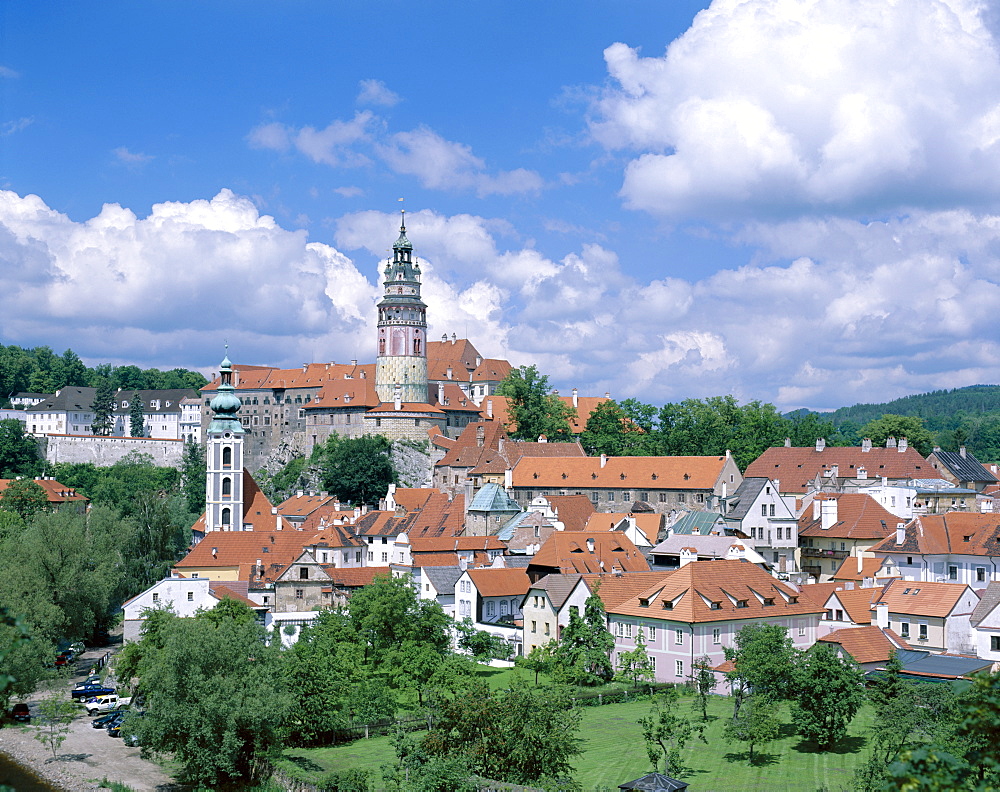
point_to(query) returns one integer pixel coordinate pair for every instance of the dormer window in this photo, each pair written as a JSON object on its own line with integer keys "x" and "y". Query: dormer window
{"x": 668, "y": 605}
{"x": 768, "y": 601}
{"x": 741, "y": 603}
{"x": 643, "y": 602}
{"x": 715, "y": 606}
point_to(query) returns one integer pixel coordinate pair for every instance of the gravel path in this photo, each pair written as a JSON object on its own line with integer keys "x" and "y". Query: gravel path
{"x": 88, "y": 755}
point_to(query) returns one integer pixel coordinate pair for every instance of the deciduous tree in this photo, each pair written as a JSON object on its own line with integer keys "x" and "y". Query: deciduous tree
{"x": 756, "y": 723}
{"x": 18, "y": 451}
{"x": 24, "y": 497}
{"x": 533, "y": 408}
{"x": 667, "y": 732}
{"x": 584, "y": 651}
{"x": 357, "y": 469}
{"x": 909, "y": 426}
{"x": 55, "y": 712}
{"x": 762, "y": 657}
{"x": 704, "y": 680}
{"x": 634, "y": 666}
{"x": 827, "y": 692}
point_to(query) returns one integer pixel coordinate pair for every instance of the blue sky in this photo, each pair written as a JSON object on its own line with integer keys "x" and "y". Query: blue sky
{"x": 786, "y": 200}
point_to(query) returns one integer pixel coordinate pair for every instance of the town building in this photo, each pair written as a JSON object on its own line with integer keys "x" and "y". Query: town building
{"x": 833, "y": 527}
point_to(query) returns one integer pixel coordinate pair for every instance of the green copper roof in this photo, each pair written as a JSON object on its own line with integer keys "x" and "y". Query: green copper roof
{"x": 226, "y": 403}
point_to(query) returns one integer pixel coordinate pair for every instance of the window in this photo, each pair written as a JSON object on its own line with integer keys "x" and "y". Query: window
{"x": 652, "y": 634}
{"x": 681, "y": 497}
{"x": 662, "y": 497}
{"x": 716, "y": 635}
{"x": 156, "y": 597}
{"x": 300, "y": 593}
{"x": 802, "y": 628}
{"x": 546, "y": 628}
{"x": 995, "y": 643}
{"x": 626, "y": 496}
{"x": 385, "y": 558}
{"x": 763, "y": 510}
{"x": 503, "y": 607}
{"x": 771, "y": 509}
{"x": 611, "y": 495}
{"x": 980, "y": 574}
{"x": 904, "y": 629}
{"x": 534, "y": 626}
{"x": 921, "y": 632}
{"x": 303, "y": 573}
{"x": 226, "y": 519}
{"x": 628, "y": 630}
{"x": 191, "y": 597}
{"x": 701, "y": 497}
{"x": 679, "y": 668}
{"x": 227, "y": 457}
{"x": 489, "y": 608}
{"x": 952, "y": 572}
{"x": 840, "y": 615}
{"x": 678, "y": 637}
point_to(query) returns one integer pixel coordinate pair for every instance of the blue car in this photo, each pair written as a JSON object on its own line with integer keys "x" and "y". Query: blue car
{"x": 89, "y": 691}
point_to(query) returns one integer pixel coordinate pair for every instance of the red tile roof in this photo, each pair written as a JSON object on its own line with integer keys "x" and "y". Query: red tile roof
{"x": 500, "y": 582}
{"x": 303, "y": 505}
{"x": 849, "y": 569}
{"x": 648, "y": 523}
{"x": 965, "y": 533}
{"x": 500, "y": 405}
{"x": 459, "y": 355}
{"x": 916, "y": 598}
{"x": 358, "y": 392}
{"x": 310, "y": 376}
{"x": 357, "y": 577}
{"x": 242, "y": 549}
{"x": 570, "y": 552}
{"x": 256, "y": 509}
{"x": 867, "y": 644}
{"x": 796, "y": 467}
{"x": 410, "y": 498}
{"x": 436, "y": 544}
{"x": 221, "y": 591}
{"x": 631, "y": 472}
{"x": 613, "y": 590}
{"x": 438, "y": 517}
{"x": 572, "y": 510}
{"x": 858, "y": 517}
{"x": 54, "y": 491}
{"x": 738, "y": 590}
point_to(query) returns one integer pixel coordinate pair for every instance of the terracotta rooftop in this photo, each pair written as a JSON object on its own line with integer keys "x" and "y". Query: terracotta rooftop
{"x": 436, "y": 544}
{"x": 858, "y": 602}
{"x": 410, "y": 498}
{"x": 222, "y": 590}
{"x": 796, "y": 467}
{"x": 917, "y": 598}
{"x": 357, "y": 577}
{"x": 572, "y": 510}
{"x": 458, "y": 354}
{"x": 965, "y": 533}
{"x": 256, "y": 510}
{"x": 309, "y": 376}
{"x": 242, "y": 549}
{"x": 613, "y": 590}
{"x": 438, "y": 517}
{"x": 711, "y": 591}
{"x": 54, "y": 491}
{"x": 632, "y": 472}
{"x": 859, "y": 516}
{"x": 648, "y": 523}
{"x": 452, "y": 398}
{"x": 867, "y": 644}
{"x": 849, "y": 569}
{"x": 303, "y": 505}
{"x": 570, "y": 552}
{"x": 356, "y": 392}
{"x": 500, "y": 582}
{"x": 499, "y": 407}
{"x": 477, "y": 442}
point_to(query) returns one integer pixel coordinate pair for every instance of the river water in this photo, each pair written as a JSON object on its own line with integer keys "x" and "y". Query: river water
{"x": 16, "y": 777}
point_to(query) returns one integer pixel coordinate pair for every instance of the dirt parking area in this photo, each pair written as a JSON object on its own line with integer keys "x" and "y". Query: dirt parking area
{"x": 87, "y": 755}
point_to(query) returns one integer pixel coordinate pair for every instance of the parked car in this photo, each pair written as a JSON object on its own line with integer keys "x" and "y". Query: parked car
{"x": 77, "y": 648}
{"x": 114, "y": 727}
{"x": 102, "y": 721}
{"x": 88, "y": 691}
{"x": 20, "y": 713}
{"x": 106, "y": 703}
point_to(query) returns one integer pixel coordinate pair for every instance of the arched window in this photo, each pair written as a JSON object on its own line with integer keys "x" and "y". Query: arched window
{"x": 503, "y": 607}
{"x": 227, "y": 457}
{"x": 227, "y": 487}
{"x": 226, "y": 519}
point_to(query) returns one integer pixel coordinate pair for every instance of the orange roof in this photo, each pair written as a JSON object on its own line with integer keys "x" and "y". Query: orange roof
{"x": 435, "y": 544}
{"x": 632, "y": 472}
{"x": 242, "y": 549}
{"x": 613, "y": 590}
{"x": 331, "y": 535}
{"x": 410, "y": 498}
{"x": 309, "y": 376}
{"x": 858, "y": 602}
{"x": 357, "y": 577}
{"x": 256, "y": 508}
{"x": 859, "y": 516}
{"x": 491, "y": 370}
{"x": 434, "y": 560}
{"x": 849, "y": 568}
{"x": 303, "y": 505}
{"x": 572, "y": 510}
{"x": 796, "y": 467}
{"x": 866, "y": 644}
{"x": 965, "y": 533}
{"x": 819, "y": 593}
{"x": 467, "y": 450}
{"x": 916, "y": 598}
{"x": 647, "y": 523}
{"x": 221, "y": 591}
{"x": 500, "y": 582}
{"x": 451, "y": 398}
{"x": 347, "y": 393}
{"x": 710, "y": 591}
{"x": 386, "y": 408}
{"x": 439, "y": 516}
{"x": 500, "y": 406}
{"x": 570, "y": 552}
{"x": 459, "y": 355}
{"x": 54, "y": 491}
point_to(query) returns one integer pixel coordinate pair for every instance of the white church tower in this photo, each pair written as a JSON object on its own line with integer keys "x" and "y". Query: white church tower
{"x": 224, "y": 458}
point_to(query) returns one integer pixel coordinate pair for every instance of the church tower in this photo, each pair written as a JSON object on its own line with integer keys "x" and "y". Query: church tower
{"x": 402, "y": 328}
{"x": 224, "y": 458}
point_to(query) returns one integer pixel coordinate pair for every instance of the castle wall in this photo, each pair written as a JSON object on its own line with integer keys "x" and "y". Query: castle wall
{"x": 106, "y": 451}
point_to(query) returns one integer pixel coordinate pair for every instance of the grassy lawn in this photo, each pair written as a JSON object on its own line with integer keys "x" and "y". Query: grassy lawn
{"x": 614, "y": 752}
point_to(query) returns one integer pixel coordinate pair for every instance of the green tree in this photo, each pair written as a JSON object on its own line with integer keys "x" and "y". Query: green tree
{"x": 215, "y": 698}
{"x": 357, "y": 469}
{"x": 533, "y": 409}
{"x": 480, "y": 644}
{"x": 704, "y": 680}
{"x": 584, "y": 651}
{"x": 667, "y": 732}
{"x": 827, "y": 692}
{"x": 193, "y": 472}
{"x": 523, "y": 735}
{"x": 24, "y": 497}
{"x": 634, "y": 666}
{"x": 755, "y": 724}
{"x": 18, "y": 451}
{"x": 55, "y": 713}
{"x": 763, "y": 659}
{"x": 103, "y": 409}
{"x": 909, "y": 426}
{"x": 137, "y": 416}
{"x": 539, "y": 659}
{"x": 74, "y": 372}
{"x": 610, "y": 430}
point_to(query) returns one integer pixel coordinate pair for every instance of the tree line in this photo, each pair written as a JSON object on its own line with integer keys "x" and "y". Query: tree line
{"x": 40, "y": 370}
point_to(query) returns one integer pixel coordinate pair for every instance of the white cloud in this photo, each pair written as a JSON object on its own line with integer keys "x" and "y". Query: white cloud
{"x": 375, "y": 92}
{"x": 274, "y": 136}
{"x": 789, "y": 106}
{"x": 349, "y": 192}
{"x": 9, "y": 128}
{"x": 8, "y": 73}
{"x": 132, "y": 159}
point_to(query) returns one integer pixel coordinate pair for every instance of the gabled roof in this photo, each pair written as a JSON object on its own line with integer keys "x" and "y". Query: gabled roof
{"x": 234, "y": 591}
{"x": 963, "y": 466}
{"x": 796, "y": 467}
{"x": 439, "y": 544}
{"x": 858, "y": 602}
{"x": 313, "y": 375}
{"x": 453, "y": 399}
{"x": 410, "y": 498}
{"x": 242, "y": 549}
{"x": 613, "y": 590}
{"x": 491, "y": 370}
{"x": 54, "y": 491}
{"x": 628, "y": 472}
{"x": 358, "y": 393}
{"x": 458, "y": 354}
{"x": 707, "y": 545}
{"x": 439, "y": 516}
{"x": 330, "y": 535}
{"x": 69, "y": 398}
{"x": 848, "y": 569}
{"x": 478, "y": 444}
{"x": 859, "y": 516}
{"x": 500, "y": 408}
{"x": 867, "y": 644}
{"x": 712, "y": 591}
{"x": 443, "y": 578}
{"x": 647, "y": 523}
{"x": 570, "y": 552}
{"x": 500, "y": 582}
{"x": 356, "y": 577}
{"x": 389, "y": 409}
{"x": 694, "y": 523}
{"x": 917, "y": 598}
{"x": 558, "y": 587}
{"x": 572, "y": 511}
{"x": 959, "y": 533}
{"x": 303, "y": 505}
{"x": 740, "y": 502}
{"x": 990, "y": 599}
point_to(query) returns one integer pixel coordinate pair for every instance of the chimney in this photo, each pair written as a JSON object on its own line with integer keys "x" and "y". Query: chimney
{"x": 604, "y": 460}
{"x": 890, "y": 442}
{"x": 861, "y": 562}
{"x": 961, "y": 451}
{"x": 440, "y": 393}
{"x": 835, "y": 471}
{"x": 902, "y": 445}
{"x": 866, "y": 445}
{"x": 590, "y": 544}
{"x": 777, "y": 486}
{"x": 788, "y": 442}
{"x": 489, "y": 409}
{"x": 881, "y": 615}
{"x": 900, "y": 533}
{"x": 862, "y": 472}
{"x": 397, "y": 398}
{"x": 828, "y": 513}
{"x": 724, "y": 483}
{"x": 299, "y": 493}
{"x": 354, "y": 362}
{"x": 215, "y": 552}
{"x": 480, "y": 435}
{"x": 820, "y": 443}
{"x": 817, "y": 504}
{"x": 479, "y": 362}
{"x": 305, "y": 367}
{"x": 448, "y": 373}
{"x": 576, "y": 402}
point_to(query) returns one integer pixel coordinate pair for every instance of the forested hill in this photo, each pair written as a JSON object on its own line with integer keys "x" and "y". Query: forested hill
{"x": 936, "y": 408}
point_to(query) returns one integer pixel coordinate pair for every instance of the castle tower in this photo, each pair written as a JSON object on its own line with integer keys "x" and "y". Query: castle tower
{"x": 224, "y": 458}
{"x": 402, "y": 328}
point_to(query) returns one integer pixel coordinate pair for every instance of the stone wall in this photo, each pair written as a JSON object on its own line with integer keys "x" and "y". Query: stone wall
{"x": 106, "y": 451}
